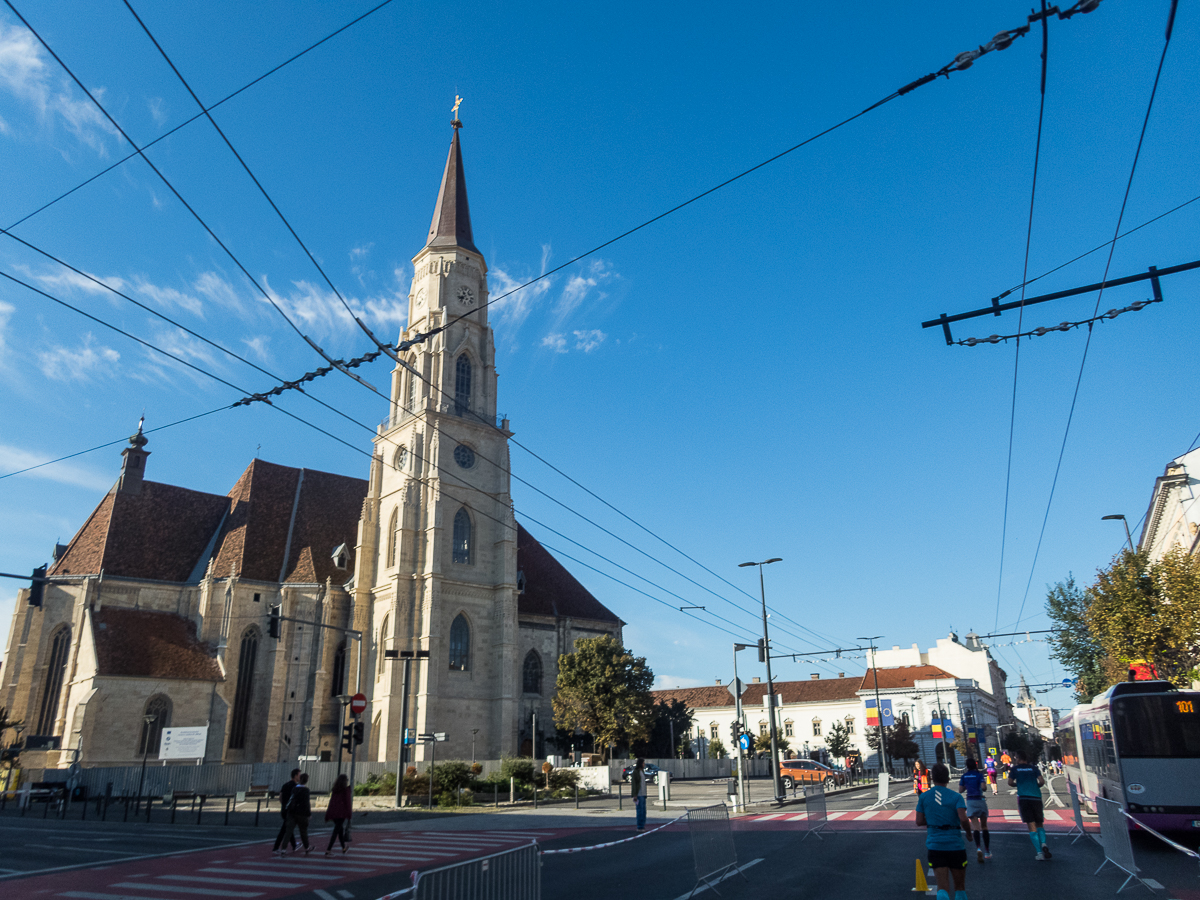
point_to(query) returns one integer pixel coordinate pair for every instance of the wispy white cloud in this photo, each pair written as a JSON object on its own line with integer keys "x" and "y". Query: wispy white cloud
{"x": 167, "y": 297}
{"x": 6, "y": 311}
{"x": 66, "y": 280}
{"x": 13, "y": 459}
{"x": 157, "y": 110}
{"x": 219, "y": 291}
{"x": 556, "y": 342}
{"x": 26, "y": 74}
{"x": 258, "y": 347}
{"x": 509, "y": 314}
{"x": 62, "y": 363}
{"x": 361, "y": 252}
{"x": 580, "y": 287}
{"x": 587, "y": 341}
{"x": 319, "y": 311}
{"x": 668, "y": 682}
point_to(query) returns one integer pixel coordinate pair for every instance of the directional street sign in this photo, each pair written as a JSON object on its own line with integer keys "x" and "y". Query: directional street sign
{"x": 358, "y": 703}
{"x": 426, "y": 736}
{"x": 439, "y": 735}
{"x": 744, "y": 740}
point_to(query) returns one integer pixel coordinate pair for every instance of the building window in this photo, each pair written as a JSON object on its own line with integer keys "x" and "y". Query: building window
{"x": 762, "y": 727}
{"x": 904, "y": 718}
{"x": 462, "y": 537}
{"x": 383, "y": 638}
{"x": 532, "y": 678}
{"x": 462, "y": 385}
{"x": 849, "y": 724}
{"x": 393, "y": 522}
{"x": 160, "y": 708}
{"x": 816, "y": 727}
{"x": 714, "y": 733}
{"x": 460, "y": 644}
{"x": 337, "y": 684}
{"x": 55, "y": 670}
{"x": 788, "y": 730}
{"x": 400, "y": 458}
{"x": 247, "y": 657}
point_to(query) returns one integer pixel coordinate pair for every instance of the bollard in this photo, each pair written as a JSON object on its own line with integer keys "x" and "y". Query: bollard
{"x": 620, "y": 795}
{"x": 227, "y": 799}
{"x": 83, "y": 815}
{"x": 174, "y": 803}
{"x": 200, "y": 809}
{"x": 149, "y": 802}
{"x": 535, "y": 796}
{"x": 577, "y": 796}
{"x": 496, "y": 794}
{"x": 46, "y": 808}
{"x": 125, "y": 818}
{"x": 512, "y": 790}
{"x": 257, "y": 809}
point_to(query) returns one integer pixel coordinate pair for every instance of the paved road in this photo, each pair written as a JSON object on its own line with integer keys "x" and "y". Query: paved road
{"x": 858, "y": 856}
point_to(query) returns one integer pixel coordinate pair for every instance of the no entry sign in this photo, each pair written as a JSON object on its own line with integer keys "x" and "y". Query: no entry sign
{"x": 358, "y": 703}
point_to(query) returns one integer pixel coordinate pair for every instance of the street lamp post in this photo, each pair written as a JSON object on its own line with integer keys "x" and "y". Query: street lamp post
{"x": 148, "y": 719}
{"x": 474, "y": 731}
{"x": 737, "y": 705}
{"x": 1124, "y": 522}
{"x": 779, "y": 795}
{"x": 883, "y": 757}
{"x": 407, "y": 656}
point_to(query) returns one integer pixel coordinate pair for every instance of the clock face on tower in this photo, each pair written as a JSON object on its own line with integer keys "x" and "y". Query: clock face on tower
{"x": 466, "y": 296}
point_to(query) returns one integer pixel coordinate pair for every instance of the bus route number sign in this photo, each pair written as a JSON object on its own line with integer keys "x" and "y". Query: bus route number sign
{"x": 1185, "y": 706}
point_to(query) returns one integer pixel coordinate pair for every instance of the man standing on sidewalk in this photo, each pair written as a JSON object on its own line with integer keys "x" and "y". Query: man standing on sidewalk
{"x": 1028, "y": 781}
{"x": 285, "y": 795}
{"x": 638, "y": 783}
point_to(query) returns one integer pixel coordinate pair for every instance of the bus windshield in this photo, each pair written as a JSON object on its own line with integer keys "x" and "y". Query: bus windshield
{"x": 1158, "y": 726}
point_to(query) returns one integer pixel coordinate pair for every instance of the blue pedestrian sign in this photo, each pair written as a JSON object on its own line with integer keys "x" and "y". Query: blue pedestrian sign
{"x": 744, "y": 740}
{"x": 409, "y": 737}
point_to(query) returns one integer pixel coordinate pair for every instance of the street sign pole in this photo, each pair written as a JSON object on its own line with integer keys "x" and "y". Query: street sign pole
{"x": 358, "y": 703}
{"x": 400, "y": 767}
{"x": 737, "y": 698}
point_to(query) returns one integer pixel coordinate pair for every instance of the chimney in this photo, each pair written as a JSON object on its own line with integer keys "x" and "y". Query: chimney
{"x": 134, "y": 465}
{"x": 841, "y": 674}
{"x": 756, "y": 680}
{"x": 815, "y": 676}
{"x": 719, "y": 682}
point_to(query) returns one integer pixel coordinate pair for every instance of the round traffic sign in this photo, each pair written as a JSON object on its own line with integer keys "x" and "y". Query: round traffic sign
{"x": 358, "y": 703}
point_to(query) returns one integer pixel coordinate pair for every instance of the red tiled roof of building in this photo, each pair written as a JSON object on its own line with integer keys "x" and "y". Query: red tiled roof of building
{"x": 902, "y": 677}
{"x": 137, "y": 643}
{"x": 815, "y": 690}
{"x": 550, "y": 590}
{"x": 713, "y": 695}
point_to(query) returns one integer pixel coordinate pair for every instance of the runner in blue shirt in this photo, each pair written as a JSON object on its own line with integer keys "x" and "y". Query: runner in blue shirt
{"x": 1028, "y": 782}
{"x": 971, "y": 784}
{"x": 944, "y": 814}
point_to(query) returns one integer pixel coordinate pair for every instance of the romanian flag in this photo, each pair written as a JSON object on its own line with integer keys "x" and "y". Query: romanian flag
{"x": 937, "y": 728}
{"x": 872, "y": 714}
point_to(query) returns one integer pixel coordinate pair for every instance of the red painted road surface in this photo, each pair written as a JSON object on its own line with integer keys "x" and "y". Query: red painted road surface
{"x": 905, "y": 820}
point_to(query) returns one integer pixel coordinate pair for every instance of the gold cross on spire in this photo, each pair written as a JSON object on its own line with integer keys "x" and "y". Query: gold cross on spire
{"x": 457, "y": 103}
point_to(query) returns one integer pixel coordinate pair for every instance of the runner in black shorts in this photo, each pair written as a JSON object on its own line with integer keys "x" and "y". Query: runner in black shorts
{"x": 944, "y": 814}
{"x": 1028, "y": 782}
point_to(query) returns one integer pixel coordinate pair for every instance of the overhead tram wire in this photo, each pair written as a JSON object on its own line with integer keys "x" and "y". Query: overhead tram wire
{"x": 1012, "y": 416}
{"x": 187, "y": 122}
{"x": 1099, "y": 296}
{"x": 205, "y": 111}
{"x": 95, "y": 102}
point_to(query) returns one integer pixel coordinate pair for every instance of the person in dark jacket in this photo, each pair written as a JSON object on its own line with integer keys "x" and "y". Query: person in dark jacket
{"x": 299, "y": 811}
{"x": 285, "y": 794}
{"x": 341, "y": 808}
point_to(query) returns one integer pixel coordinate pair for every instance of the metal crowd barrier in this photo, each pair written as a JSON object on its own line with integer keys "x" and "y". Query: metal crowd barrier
{"x": 712, "y": 845}
{"x": 816, "y": 811}
{"x": 508, "y": 875}
{"x": 1077, "y": 812}
{"x": 1114, "y": 837}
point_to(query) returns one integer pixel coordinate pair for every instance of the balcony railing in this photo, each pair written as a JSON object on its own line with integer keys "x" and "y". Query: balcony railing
{"x": 471, "y": 412}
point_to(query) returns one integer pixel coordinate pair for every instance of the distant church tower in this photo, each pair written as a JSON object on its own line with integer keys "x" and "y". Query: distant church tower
{"x": 436, "y": 562}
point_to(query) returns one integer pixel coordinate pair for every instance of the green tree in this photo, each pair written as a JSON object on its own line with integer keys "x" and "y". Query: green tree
{"x": 1143, "y": 611}
{"x": 1072, "y": 642}
{"x": 604, "y": 689}
{"x": 837, "y": 742}
{"x": 670, "y": 717}
{"x": 716, "y": 749}
{"x": 762, "y": 743}
{"x": 900, "y": 743}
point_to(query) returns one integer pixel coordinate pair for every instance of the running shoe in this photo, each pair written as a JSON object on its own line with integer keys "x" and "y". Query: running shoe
{"x": 1046, "y": 851}
{"x": 978, "y": 855}
{"x": 987, "y": 854}
{"x": 1040, "y": 856}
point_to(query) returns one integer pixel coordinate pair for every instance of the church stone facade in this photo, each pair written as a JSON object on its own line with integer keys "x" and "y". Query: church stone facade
{"x": 156, "y": 614}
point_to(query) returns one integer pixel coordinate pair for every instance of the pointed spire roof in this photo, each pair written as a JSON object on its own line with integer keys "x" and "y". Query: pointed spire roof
{"x": 451, "y": 226}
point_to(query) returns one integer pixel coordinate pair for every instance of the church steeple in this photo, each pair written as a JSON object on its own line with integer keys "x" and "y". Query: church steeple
{"x": 451, "y": 226}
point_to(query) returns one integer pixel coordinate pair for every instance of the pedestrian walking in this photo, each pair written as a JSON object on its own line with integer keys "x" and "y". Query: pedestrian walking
{"x": 943, "y": 814}
{"x": 1028, "y": 782}
{"x": 971, "y": 784}
{"x": 990, "y": 768}
{"x": 638, "y": 783}
{"x": 285, "y": 794}
{"x": 299, "y": 811}
{"x": 340, "y": 810}
{"x": 919, "y": 776}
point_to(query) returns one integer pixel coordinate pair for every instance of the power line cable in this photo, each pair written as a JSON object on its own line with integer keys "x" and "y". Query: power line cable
{"x": 186, "y": 122}
{"x": 1099, "y": 296}
{"x": 1012, "y": 417}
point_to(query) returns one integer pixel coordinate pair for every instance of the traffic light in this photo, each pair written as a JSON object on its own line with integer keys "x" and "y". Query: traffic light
{"x": 735, "y": 729}
{"x": 37, "y": 587}
{"x": 358, "y": 732}
{"x": 762, "y": 650}
{"x": 273, "y": 626}
{"x": 348, "y": 737}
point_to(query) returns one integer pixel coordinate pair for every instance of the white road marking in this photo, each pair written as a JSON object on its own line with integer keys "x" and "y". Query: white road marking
{"x": 800, "y": 818}
{"x": 838, "y": 814}
{"x": 324, "y": 895}
{"x": 267, "y": 874}
{"x": 77, "y": 849}
{"x": 213, "y": 892}
{"x": 769, "y": 817}
{"x": 89, "y": 895}
{"x": 244, "y": 882}
{"x": 867, "y": 815}
{"x": 728, "y": 874}
{"x": 903, "y": 814}
{"x": 346, "y": 894}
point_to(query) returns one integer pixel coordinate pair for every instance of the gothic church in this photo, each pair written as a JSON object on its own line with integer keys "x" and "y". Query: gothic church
{"x": 156, "y": 614}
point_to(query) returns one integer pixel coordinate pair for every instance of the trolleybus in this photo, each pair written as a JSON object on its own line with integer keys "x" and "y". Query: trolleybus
{"x": 1137, "y": 744}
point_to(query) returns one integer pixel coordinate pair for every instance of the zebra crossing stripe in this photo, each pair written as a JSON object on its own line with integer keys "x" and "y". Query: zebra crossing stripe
{"x": 903, "y": 814}
{"x": 270, "y": 874}
{"x": 244, "y": 882}
{"x": 870, "y": 814}
{"x": 92, "y": 895}
{"x": 211, "y": 892}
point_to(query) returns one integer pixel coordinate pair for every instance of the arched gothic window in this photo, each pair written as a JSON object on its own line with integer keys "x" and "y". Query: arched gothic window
{"x": 412, "y": 389}
{"x": 462, "y": 552}
{"x": 55, "y": 670}
{"x": 247, "y": 657}
{"x": 460, "y": 644}
{"x": 337, "y": 684}
{"x": 384, "y": 634}
{"x": 393, "y": 522}
{"x": 160, "y": 708}
{"x": 532, "y": 676}
{"x": 462, "y": 384}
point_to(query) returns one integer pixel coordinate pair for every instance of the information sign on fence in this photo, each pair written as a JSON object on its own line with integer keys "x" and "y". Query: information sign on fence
{"x": 712, "y": 844}
{"x": 183, "y": 743}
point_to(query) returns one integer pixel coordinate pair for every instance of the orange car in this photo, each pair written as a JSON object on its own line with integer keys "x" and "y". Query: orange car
{"x": 808, "y": 771}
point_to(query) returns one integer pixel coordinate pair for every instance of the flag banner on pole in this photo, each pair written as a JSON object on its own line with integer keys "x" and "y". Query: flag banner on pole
{"x": 872, "y": 714}
{"x": 948, "y": 728}
{"x": 888, "y": 719}
{"x": 937, "y": 728}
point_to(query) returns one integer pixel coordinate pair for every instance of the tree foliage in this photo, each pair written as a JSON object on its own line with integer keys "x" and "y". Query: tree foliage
{"x": 604, "y": 690}
{"x": 900, "y": 743}
{"x": 762, "y": 743}
{"x": 1136, "y": 611}
{"x": 837, "y": 742}
{"x": 670, "y": 717}
{"x": 716, "y": 749}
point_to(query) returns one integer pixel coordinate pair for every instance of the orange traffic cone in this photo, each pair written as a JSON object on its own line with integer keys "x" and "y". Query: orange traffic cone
{"x": 922, "y": 886}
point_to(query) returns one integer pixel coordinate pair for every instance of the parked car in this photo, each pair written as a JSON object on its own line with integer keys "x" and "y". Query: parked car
{"x": 651, "y": 773}
{"x": 808, "y": 771}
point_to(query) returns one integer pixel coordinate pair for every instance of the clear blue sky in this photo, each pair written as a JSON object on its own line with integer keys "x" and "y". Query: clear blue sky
{"x": 747, "y": 378}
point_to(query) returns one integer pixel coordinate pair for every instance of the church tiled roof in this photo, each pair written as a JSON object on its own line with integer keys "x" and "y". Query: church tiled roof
{"x": 137, "y": 643}
{"x": 550, "y": 590}
{"x": 451, "y": 226}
